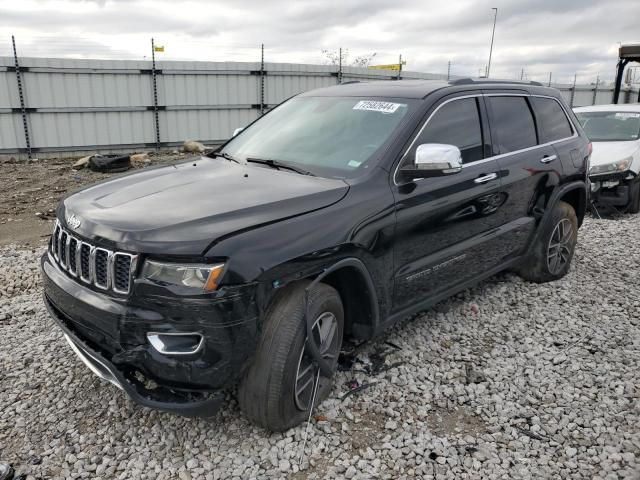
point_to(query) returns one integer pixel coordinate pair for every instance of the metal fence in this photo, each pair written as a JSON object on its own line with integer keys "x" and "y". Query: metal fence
{"x": 53, "y": 107}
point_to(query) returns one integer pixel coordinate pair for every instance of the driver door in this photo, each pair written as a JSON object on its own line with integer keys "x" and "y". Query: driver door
{"x": 447, "y": 226}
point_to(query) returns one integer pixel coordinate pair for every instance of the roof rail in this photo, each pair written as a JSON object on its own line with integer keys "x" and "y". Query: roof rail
{"x": 470, "y": 81}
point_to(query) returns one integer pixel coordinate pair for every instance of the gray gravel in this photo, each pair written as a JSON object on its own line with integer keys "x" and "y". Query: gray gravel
{"x": 507, "y": 380}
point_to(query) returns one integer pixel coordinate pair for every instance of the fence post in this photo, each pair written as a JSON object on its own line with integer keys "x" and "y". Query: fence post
{"x": 155, "y": 93}
{"x": 573, "y": 90}
{"x": 262, "y": 72}
{"x": 340, "y": 66}
{"x": 449, "y": 70}
{"x": 549, "y": 79}
{"x": 595, "y": 90}
{"x": 399, "y": 67}
{"x": 23, "y": 109}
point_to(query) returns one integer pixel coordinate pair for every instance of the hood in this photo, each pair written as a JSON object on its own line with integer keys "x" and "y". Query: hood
{"x": 181, "y": 209}
{"x": 609, "y": 152}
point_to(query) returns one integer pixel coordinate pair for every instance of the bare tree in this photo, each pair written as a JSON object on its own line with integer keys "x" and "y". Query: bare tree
{"x": 332, "y": 57}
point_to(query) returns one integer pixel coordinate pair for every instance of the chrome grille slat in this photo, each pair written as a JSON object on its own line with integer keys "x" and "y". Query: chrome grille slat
{"x": 100, "y": 267}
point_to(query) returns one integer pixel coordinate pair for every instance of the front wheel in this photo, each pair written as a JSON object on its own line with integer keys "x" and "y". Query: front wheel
{"x": 551, "y": 254}
{"x": 634, "y": 196}
{"x": 277, "y": 390}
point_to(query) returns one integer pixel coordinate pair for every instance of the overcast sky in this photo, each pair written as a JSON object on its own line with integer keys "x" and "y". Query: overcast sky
{"x": 539, "y": 36}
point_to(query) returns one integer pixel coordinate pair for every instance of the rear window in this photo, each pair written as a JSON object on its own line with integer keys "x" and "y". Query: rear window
{"x": 552, "y": 121}
{"x": 512, "y": 126}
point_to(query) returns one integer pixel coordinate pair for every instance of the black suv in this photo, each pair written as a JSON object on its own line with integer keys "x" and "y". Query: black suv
{"x": 341, "y": 211}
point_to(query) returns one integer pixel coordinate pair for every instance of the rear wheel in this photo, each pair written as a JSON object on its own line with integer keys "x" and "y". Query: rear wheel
{"x": 551, "y": 254}
{"x": 277, "y": 391}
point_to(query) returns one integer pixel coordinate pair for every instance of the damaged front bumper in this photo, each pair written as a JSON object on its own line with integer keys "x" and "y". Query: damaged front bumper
{"x": 612, "y": 188}
{"x": 113, "y": 337}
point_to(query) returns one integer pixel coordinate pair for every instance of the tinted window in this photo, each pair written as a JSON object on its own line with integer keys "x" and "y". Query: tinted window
{"x": 552, "y": 120}
{"x": 512, "y": 125}
{"x": 456, "y": 123}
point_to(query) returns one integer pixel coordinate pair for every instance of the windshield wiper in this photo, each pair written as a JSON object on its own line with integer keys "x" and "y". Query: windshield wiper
{"x": 225, "y": 155}
{"x": 278, "y": 165}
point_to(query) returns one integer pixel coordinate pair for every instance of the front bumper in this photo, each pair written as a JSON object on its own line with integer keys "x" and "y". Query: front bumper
{"x": 612, "y": 188}
{"x": 109, "y": 335}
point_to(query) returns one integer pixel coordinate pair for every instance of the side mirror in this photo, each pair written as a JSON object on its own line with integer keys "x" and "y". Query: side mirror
{"x": 434, "y": 160}
{"x": 237, "y": 131}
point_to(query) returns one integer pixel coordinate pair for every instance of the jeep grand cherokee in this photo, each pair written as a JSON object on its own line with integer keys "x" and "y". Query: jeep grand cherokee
{"x": 336, "y": 214}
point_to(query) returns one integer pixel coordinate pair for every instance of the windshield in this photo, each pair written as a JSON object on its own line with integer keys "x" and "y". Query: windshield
{"x": 327, "y": 136}
{"x": 610, "y": 126}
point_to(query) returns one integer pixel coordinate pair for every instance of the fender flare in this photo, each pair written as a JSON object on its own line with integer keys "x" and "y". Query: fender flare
{"x": 555, "y": 198}
{"x": 314, "y": 350}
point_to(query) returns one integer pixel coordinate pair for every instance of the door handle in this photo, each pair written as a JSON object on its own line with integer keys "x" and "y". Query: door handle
{"x": 486, "y": 178}
{"x": 548, "y": 158}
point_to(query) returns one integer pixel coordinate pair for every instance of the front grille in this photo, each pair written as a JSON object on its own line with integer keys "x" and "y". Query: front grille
{"x": 105, "y": 269}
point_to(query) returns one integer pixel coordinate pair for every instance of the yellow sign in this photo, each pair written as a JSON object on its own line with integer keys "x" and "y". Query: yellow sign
{"x": 158, "y": 48}
{"x": 394, "y": 66}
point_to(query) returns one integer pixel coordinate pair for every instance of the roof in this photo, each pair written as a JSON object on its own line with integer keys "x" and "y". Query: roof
{"x": 626, "y": 107}
{"x": 404, "y": 88}
{"x": 381, "y": 88}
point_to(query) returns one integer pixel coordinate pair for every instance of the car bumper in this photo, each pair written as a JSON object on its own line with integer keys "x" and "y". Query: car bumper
{"x": 612, "y": 188}
{"x": 110, "y": 336}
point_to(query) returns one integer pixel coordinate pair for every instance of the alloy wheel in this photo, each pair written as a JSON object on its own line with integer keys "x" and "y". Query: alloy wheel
{"x": 324, "y": 331}
{"x": 560, "y": 246}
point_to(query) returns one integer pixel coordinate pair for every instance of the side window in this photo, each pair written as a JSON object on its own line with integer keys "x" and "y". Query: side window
{"x": 552, "y": 120}
{"x": 512, "y": 123}
{"x": 456, "y": 123}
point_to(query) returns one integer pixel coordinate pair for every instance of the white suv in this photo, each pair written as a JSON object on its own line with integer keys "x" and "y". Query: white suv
{"x": 614, "y": 131}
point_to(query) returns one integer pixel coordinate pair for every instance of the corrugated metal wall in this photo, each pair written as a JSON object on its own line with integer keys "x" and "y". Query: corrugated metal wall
{"x": 76, "y": 106}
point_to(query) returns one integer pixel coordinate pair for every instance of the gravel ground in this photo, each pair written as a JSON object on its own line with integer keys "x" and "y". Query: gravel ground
{"x": 507, "y": 380}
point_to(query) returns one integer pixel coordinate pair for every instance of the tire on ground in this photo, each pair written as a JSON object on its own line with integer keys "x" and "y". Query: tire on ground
{"x": 634, "y": 196}
{"x": 266, "y": 392}
{"x": 535, "y": 267}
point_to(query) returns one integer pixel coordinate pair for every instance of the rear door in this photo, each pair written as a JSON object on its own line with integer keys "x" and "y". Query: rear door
{"x": 555, "y": 127}
{"x": 526, "y": 166}
{"x": 445, "y": 225}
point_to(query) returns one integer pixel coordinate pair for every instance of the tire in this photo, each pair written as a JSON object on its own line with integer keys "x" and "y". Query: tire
{"x": 267, "y": 390}
{"x": 545, "y": 262}
{"x": 634, "y": 196}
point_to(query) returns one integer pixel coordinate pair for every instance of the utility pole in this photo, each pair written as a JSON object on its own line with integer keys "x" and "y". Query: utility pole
{"x": 449, "y": 70}
{"x": 493, "y": 33}
{"x": 155, "y": 93}
{"x": 262, "y": 79}
{"x": 340, "y": 67}
{"x": 399, "y": 66}
{"x": 595, "y": 90}
{"x": 521, "y": 74}
{"x": 573, "y": 90}
{"x": 549, "y": 84}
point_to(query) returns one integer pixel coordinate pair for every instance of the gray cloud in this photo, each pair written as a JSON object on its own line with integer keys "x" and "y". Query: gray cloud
{"x": 537, "y": 36}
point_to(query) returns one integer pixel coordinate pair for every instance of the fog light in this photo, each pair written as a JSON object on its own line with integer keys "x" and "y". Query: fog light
{"x": 186, "y": 343}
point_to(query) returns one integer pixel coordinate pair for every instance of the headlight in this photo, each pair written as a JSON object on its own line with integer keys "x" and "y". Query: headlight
{"x": 200, "y": 276}
{"x": 619, "y": 166}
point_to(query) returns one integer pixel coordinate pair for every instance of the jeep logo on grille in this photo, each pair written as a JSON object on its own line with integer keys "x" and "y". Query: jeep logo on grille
{"x": 73, "y": 221}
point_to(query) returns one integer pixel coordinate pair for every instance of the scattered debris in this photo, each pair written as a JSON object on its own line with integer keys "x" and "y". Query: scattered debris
{"x": 191, "y": 146}
{"x": 320, "y": 418}
{"x": 530, "y": 434}
{"x": 80, "y": 164}
{"x": 109, "y": 163}
{"x": 6, "y": 471}
{"x": 140, "y": 158}
{"x": 473, "y": 375}
{"x": 355, "y": 387}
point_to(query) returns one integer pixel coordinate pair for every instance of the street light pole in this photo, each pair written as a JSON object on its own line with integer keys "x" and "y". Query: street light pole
{"x": 493, "y": 33}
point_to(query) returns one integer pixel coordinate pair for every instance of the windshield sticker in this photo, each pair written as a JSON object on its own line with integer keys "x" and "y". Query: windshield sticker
{"x": 374, "y": 106}
{"x": 627, "y": 115}
{"x": 354, "y": 163}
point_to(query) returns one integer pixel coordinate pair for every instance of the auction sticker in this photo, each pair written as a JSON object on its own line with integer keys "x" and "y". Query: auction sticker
{"x": 375, "y": 106}
{"x": 627, "y": 115}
